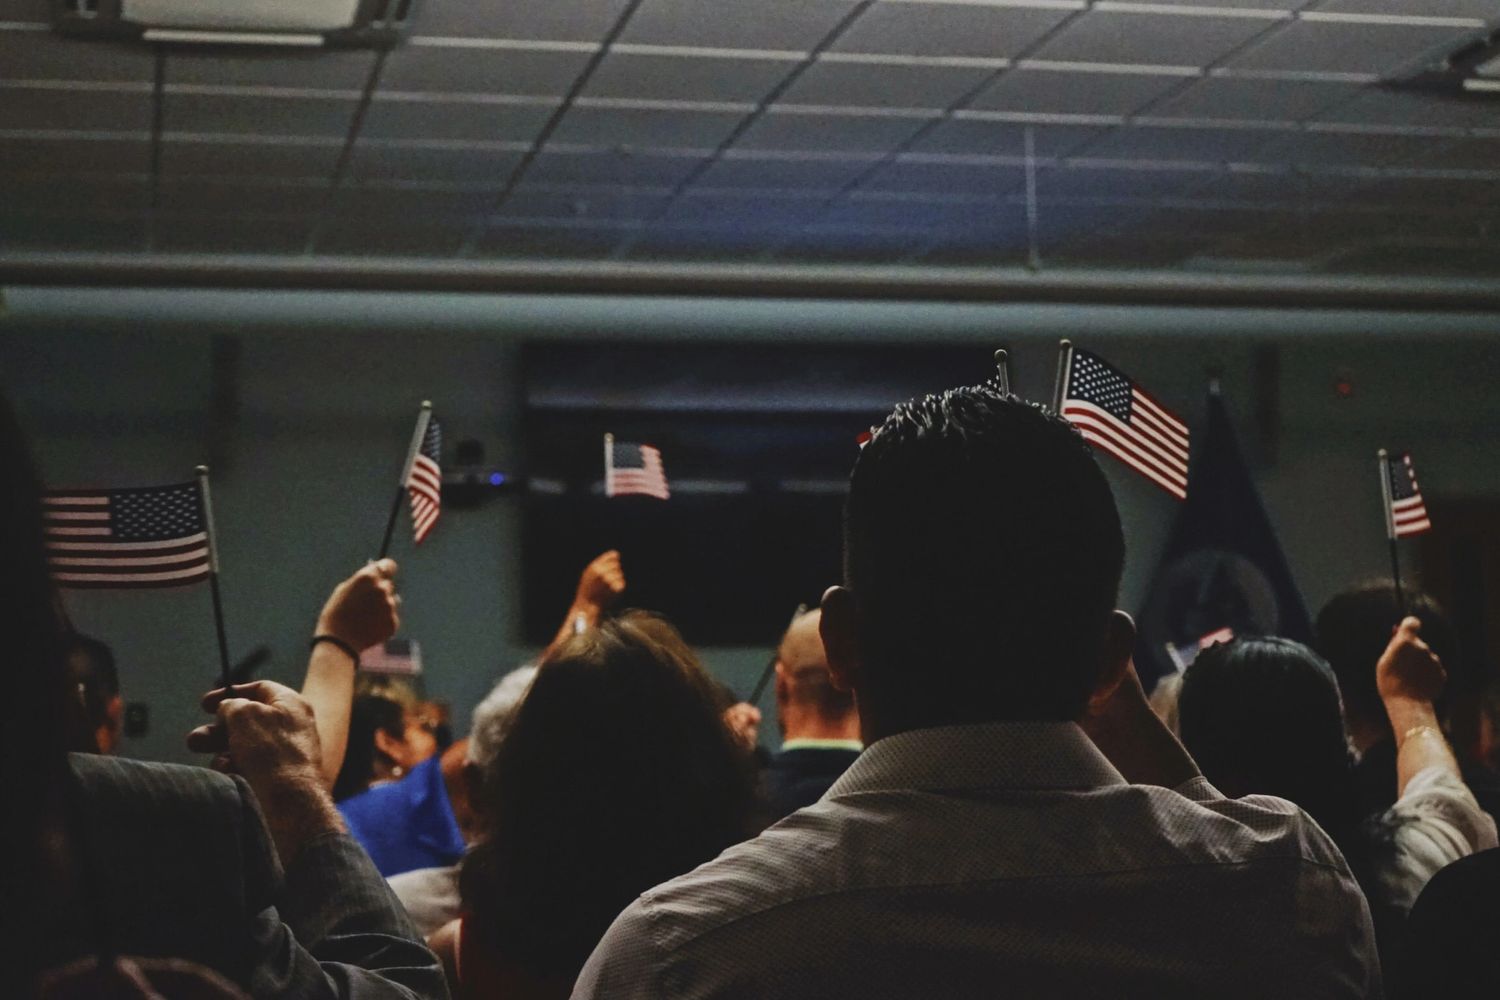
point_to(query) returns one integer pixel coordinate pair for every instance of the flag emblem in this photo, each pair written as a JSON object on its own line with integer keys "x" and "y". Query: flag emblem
{"x": 1408, "y": 513}
{"x": 152, "y": 536}
{"x": 1113, "y": 413}
{"x": 425, "y": 481}
{"x": 633, "y": 469}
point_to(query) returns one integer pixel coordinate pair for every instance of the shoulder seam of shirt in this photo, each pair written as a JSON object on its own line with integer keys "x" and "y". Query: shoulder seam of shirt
{"x": 664, "y": 950}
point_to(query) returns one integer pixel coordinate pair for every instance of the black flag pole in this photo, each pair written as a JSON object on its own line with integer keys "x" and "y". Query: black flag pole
{"x": 424, "y": 417}
{"x": 206, "y": 504}
{"x": 1390, "y": 527}
{"x": 765, "y": 675}
{"x": 1064, "y": 363}
{"x": 1002, "y": 371}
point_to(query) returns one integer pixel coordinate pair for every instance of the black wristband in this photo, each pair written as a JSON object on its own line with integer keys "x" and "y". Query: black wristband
{"x": 334, "y": 640}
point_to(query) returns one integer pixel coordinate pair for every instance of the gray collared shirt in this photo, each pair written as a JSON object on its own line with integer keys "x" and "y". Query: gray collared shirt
{"x": 999, "y": 861}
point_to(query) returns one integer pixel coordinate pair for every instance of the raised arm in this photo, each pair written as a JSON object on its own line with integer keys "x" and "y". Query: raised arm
{"x": 599, "y": 587}
{"x": 1409, "y": 677}
{"x": 360, "y": 613}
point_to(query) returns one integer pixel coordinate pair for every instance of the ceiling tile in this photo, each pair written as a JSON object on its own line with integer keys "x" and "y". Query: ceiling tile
{"x": 1087, "y": 182}
{"x": 1342, "y": 47}
{"x": 1456, "y": 192}
{"x": 807, "y": 175}
{"x": 826, "y": 245}
{"x": 796, "y": 25}
{"x": 530, "y": 241}
{"x": 447, "y": 163}
{"x": 671, "y": 242}
{"x": 1254, "y": 100}
{"x": 290, "y": 159}
{"x": 1052, "y": 92}
{"x": 73, "y": 194}
{"x": 77, "y": 235}
{"x": 215, "y": 113}
{"x": 686, "y": 79}
{"x": 905, "y": 174}
{"x": 1382, "y": 106}
{"x": 1428, "y": 8}
{"x": 1345, "y": 149}
{"x": 555, "y": 20}
{"x": 1211, "y": 145}
{"x": 84, "y": 110}
{"x": 630, "y": 127}
{"x": 862, "y": 85}
{"x": 1153, "y": 39}
{"x": 1284, "y": 185}
{"x": 316, "y": 70}
{"x": 410, "y": 237}
{"x": 486, "y": 71}
{"x": 129, "y": 154}
{"x": 881, "y": 209}
{"x": 778, "y": 211}
{"x": 412, "y": 201}
{"x": 386, "y": 119}
{"x": 829, "y": 133}
{"x": 230, "y": 196}
{"x": 42, "y": 55}
{"x": 618, "y": 166}
{"x": 35, "y": 11}
{"x": 948, "y": 30}
{"x": 1004, "y": 138}
{"x": 582, "y": 204}
{"x": 230, "y": 235}
{"x": 1458, "y": 154}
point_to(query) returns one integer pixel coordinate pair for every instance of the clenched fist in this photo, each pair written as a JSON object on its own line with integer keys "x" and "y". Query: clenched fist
{"x": 1409, "y": 669}
{"x": 362, "y": 611}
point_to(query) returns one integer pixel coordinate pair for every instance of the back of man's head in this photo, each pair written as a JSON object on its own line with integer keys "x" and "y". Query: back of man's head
{"x": 804, "y": 685}
{"x": 983, "y": 546}
{"x": 1356, "y": 625}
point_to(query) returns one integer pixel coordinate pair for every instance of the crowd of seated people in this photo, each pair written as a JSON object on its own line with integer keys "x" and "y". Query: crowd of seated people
{"x": 973, "y": 796}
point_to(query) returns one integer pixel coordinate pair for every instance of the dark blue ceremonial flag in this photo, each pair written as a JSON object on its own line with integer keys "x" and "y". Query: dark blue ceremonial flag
{"x": 1222, "y": 572}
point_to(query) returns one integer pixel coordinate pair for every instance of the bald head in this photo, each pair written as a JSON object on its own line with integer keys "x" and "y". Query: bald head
{"x": 805, "y": 695}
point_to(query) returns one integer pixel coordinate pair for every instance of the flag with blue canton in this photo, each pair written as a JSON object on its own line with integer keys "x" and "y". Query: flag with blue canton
{"x": 425, "y": 482}
{"x": 153, "y": 536}
{"x": 633, "y": 469}
{"x": 1407, "y": 512}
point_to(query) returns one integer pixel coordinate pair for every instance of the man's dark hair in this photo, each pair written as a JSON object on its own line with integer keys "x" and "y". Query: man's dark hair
{"x": 1354, "y": 628}
{"x": 983, "y": 544}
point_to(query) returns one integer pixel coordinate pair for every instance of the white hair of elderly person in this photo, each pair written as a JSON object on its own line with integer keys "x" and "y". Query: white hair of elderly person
{"x": 430, "y": 895}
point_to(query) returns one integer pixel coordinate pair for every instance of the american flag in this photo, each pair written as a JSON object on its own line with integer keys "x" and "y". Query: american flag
{"x": 865, "y": 437}
{"x": 1113, "y": 413}
{"x": 1408, "y": 514}
{"x": 152, "y": 536}
{"x": 633, "y": 468}
{"x": 425, "y": 481}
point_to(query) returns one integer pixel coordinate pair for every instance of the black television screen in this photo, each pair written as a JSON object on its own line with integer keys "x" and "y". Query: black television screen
{"x": 757, "y": 443}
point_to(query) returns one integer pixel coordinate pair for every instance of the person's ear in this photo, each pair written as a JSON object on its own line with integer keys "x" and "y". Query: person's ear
{"x": 782, "y": 686}
{"x": 1115, "y": 656}
{"x": 839, "y": 626}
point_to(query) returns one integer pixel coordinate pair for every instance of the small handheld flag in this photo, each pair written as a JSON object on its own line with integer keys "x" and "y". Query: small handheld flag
{"x": 1405, "y": 513}
{"x": 421, "y": 479}
{"x": 633, "y": 469}
{"x": 155, "y": 536}
{"x": 1115, "y": 414}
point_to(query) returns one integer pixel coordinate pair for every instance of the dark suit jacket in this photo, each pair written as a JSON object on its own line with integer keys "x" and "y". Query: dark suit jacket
{"x": 799, "y": 777}
{"x": 176, "y": 861}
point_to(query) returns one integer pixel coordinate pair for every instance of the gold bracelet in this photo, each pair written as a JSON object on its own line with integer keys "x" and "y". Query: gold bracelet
{"x": 1414, "y": 730}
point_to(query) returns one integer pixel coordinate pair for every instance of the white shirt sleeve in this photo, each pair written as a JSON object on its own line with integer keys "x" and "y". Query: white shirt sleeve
{"x": 626, "y": 963}
{"x": 1436, "y": 821}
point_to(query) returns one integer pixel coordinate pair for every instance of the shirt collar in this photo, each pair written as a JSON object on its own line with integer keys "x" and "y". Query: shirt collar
{"x": 1021, "y": 755}
{"x": 809, "y": 743}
